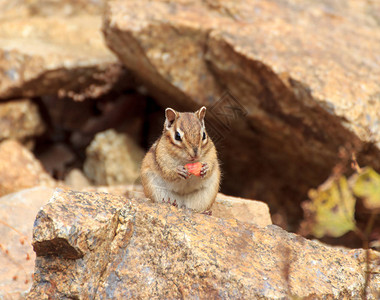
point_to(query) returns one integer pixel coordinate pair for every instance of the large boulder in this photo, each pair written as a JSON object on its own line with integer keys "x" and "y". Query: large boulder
{"x": 19, "y": 169}
{"x": 17, "y": 214}
{"x": 44, "y": 50}
{"x": 288, "y": 83}
{"x": 105, "y": 246}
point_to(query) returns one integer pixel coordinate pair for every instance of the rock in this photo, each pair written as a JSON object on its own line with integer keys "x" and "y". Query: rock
{"x": 100, "y": 245}
{"x": 20, "y": 120}
{"x": 17, "y": 8}
{"x": 64, "y": 8}
{"x": 56, "y": 158}
{"x": 225, "y": 207}
{"x": 113, "y": 158}
{"x": 243, "y": 210}
{"x": 19, "y": 169}
{"x": 17, "y": 214}
{"x": 65, "y": 55}
{"x": 76, "y": 180}
{"x": 82, "y": 120}
{"x": 127, "y": 191}
{"x": 282, "y": 99}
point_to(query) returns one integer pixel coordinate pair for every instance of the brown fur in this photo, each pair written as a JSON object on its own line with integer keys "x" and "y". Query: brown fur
{"x": 160, "y": 178}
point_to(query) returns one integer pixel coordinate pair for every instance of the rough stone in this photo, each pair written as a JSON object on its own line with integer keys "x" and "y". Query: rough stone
{"x": 298, "y": 90}
{"x": 100, "y": 245}
{"x": 15, "y": 8}
{"x": 225, "y": 207}
{"x": 65, "y": 53}
{"x": 113, "y": 158}
{"x": 127, "y": 191}
{"x": 243, "y": 210}
{"x": 76, "y": 180}
{"x": 19, "y": 169}
{"x": 17, "y": 214}
{"x": 20, "y": 120}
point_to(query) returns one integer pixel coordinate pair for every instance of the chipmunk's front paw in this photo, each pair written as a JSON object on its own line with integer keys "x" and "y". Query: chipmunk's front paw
{"x": 169, "y": 201}
{"x": 204, "y": 169}
{"x": 183, "y": 172}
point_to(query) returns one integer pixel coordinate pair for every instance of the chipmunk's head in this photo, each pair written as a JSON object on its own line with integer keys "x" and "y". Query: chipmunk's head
{"x": 187, "y": 133}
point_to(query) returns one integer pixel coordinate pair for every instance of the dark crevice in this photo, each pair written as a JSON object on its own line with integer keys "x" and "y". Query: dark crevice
{"x": 57, "y": 247}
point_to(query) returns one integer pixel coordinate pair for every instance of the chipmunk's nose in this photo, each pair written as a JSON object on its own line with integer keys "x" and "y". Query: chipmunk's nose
{"x": 194, "y": 155}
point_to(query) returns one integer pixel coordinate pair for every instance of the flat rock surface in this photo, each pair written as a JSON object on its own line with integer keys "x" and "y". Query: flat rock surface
{"x": 100, "y": 245}
{"x": 243, "y": 210}
{"x": 225, "y": 207}
{"x": 17, "y": 259}
{"x": 287, "y": 84}
{"x": 19, "y": 169}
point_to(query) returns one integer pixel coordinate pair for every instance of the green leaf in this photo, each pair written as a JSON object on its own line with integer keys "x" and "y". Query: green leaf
{"x": 367, "y": 186}
{"x": 332, "y": 207}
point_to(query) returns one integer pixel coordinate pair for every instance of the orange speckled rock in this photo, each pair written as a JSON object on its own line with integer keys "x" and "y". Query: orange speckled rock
{"x": 226, "y": 207}
{"x": 19, "y": 169}
{"x": 96, "y": 245}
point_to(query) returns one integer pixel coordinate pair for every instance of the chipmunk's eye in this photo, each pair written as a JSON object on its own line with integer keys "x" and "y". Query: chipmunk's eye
{"x": 177, "y": 136}
{"x": 204, "y": 135}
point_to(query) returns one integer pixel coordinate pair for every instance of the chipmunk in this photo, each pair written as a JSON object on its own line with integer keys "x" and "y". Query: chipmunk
{"x": 163, "y": 174}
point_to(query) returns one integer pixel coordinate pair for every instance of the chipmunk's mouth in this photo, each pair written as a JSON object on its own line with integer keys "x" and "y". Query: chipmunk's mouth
{"x": 192, "y": 159}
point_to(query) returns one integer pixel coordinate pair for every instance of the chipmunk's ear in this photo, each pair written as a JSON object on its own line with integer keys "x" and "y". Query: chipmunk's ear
{"x": 201, "y": 113}
{"x": 170, "y": 115}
